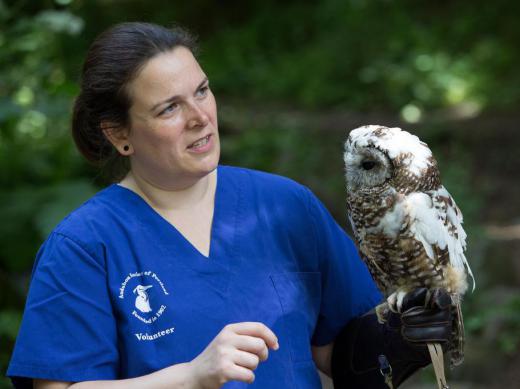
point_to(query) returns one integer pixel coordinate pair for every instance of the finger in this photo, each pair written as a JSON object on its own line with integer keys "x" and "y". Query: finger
{"x": 240, "y": 373}
{"x": 393, "y": 320}
{"x": 421, "y": 317}
{"x": 416, "y": 297}
{"x": 252, "y": 345}
{"x": 435, "y": 334}
{"x": 256, "y": 329}
{"x": 440, "y": 298}
{"x": 245, "y": 359}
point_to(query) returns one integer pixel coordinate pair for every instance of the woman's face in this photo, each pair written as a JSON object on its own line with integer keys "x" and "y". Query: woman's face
{"x": 173, "y": 121}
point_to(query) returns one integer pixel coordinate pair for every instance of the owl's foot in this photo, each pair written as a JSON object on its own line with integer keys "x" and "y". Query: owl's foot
{"x": 395, "y": 300}
{"x": 382, "y": 312}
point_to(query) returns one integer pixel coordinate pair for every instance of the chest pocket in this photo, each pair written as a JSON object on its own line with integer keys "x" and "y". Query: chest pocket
{"x": 299, "y": 295}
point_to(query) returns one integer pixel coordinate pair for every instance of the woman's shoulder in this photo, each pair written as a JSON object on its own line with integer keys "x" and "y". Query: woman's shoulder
{"x": 89, "y": 217}
{"x": 263, "y": 190}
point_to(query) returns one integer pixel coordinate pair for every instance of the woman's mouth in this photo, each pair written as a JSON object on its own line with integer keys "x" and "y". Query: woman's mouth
{"x": 201, "y": 145}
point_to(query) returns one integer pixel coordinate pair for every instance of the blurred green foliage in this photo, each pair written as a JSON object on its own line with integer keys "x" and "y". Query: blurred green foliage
{"x": 403, "y": 57}
{"x": 371, "y": 54}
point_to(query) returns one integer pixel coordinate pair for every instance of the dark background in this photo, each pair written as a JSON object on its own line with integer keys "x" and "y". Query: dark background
{"x": 291, "y": 80}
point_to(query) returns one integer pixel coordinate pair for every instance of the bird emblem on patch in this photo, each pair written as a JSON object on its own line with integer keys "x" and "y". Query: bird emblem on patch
{"x": 142, "y": 301}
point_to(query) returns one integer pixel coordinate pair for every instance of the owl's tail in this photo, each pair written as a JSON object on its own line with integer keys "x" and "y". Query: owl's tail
{"x": 457, "y": 351}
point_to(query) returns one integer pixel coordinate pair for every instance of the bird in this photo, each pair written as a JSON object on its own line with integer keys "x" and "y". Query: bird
{"x": 407, "y": 226}
{"x": 142, "y": 301}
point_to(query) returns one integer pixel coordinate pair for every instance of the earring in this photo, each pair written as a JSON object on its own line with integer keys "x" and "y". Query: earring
{"x": 126, "y": 147}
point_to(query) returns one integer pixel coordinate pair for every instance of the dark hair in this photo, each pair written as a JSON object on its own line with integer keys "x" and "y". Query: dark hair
{"x": 113, "y": 60}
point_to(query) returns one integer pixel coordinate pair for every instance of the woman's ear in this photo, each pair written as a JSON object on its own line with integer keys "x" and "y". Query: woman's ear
{"x": 119, "y": 137}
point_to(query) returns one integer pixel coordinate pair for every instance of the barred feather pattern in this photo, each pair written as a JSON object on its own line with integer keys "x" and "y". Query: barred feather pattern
{"x": 406, "y": 224}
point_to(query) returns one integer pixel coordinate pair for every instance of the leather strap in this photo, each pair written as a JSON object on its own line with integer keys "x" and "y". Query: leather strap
{"x": 438, "y": 364}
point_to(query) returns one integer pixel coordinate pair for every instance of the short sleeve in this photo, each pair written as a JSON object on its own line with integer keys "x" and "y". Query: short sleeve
{"x": 348, "y": 290}
{"x": 68, "y": 330}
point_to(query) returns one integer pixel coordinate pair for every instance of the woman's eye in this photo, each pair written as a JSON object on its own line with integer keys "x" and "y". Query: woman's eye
{"x": 170, "y": 108}
{"x": 203, "y": 91}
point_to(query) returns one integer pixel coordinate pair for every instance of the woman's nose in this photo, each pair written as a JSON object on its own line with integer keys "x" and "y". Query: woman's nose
{"x": 197, "y": 116}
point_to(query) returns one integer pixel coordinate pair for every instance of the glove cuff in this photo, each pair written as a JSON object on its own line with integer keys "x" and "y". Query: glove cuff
{"x": 355, "y": 356}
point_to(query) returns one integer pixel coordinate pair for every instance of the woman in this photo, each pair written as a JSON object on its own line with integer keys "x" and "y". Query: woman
{"x": 186, "y": 273}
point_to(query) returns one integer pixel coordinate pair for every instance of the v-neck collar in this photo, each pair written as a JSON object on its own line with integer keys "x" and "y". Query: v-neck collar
{"x": 223, "y": 226}
{"x": 169, "y": 226}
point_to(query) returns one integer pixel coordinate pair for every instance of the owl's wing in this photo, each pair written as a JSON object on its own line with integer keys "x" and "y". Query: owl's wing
{"x": 436, "y": 221}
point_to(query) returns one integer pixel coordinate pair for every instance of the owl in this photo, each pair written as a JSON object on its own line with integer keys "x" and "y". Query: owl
{"x": 406, "y": 224}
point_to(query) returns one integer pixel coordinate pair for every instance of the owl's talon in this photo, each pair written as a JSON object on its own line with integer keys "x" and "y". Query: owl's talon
{"x": 400, "y": 298}
{"x": 382, "y": 313}
{"x": 392, "y": 302}
{"x": 395, "y": 301}
{"x": 427, "y": 299}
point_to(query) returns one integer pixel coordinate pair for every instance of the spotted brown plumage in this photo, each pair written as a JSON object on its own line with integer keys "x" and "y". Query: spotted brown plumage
{"x": 406, "y": 224}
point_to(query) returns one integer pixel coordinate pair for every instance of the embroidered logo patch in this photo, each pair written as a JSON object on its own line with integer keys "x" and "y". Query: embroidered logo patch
{"x": 145, "y": 287}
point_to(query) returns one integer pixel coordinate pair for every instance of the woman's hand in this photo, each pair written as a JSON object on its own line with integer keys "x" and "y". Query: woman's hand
{"x": 233, "y": 355}
{"x": 426, "y": 317}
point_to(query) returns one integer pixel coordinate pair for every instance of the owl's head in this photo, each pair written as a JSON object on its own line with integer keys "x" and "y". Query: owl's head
{"x": 375, "y": 155}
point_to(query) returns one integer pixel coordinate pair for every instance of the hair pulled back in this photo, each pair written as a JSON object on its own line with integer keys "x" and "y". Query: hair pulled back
{"x": 113, "y": 60}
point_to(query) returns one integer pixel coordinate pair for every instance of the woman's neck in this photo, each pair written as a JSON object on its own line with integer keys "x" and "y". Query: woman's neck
{"x": 171, "y": 200}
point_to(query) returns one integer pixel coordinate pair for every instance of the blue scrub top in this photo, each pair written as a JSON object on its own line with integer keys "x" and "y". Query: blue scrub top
{"x": 117, "y": 292}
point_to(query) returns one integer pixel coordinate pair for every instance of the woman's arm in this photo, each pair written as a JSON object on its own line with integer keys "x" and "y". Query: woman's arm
{"x": 322, "y": 356}
{"x": 176, "y": 376}
{"x": 231, "y": 356}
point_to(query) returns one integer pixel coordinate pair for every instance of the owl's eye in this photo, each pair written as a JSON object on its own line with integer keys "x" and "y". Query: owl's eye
{"x": 368, "y": 165}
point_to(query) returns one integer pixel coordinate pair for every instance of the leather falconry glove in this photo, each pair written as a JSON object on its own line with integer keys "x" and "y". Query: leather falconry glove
{"x": 367, "y": 353}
